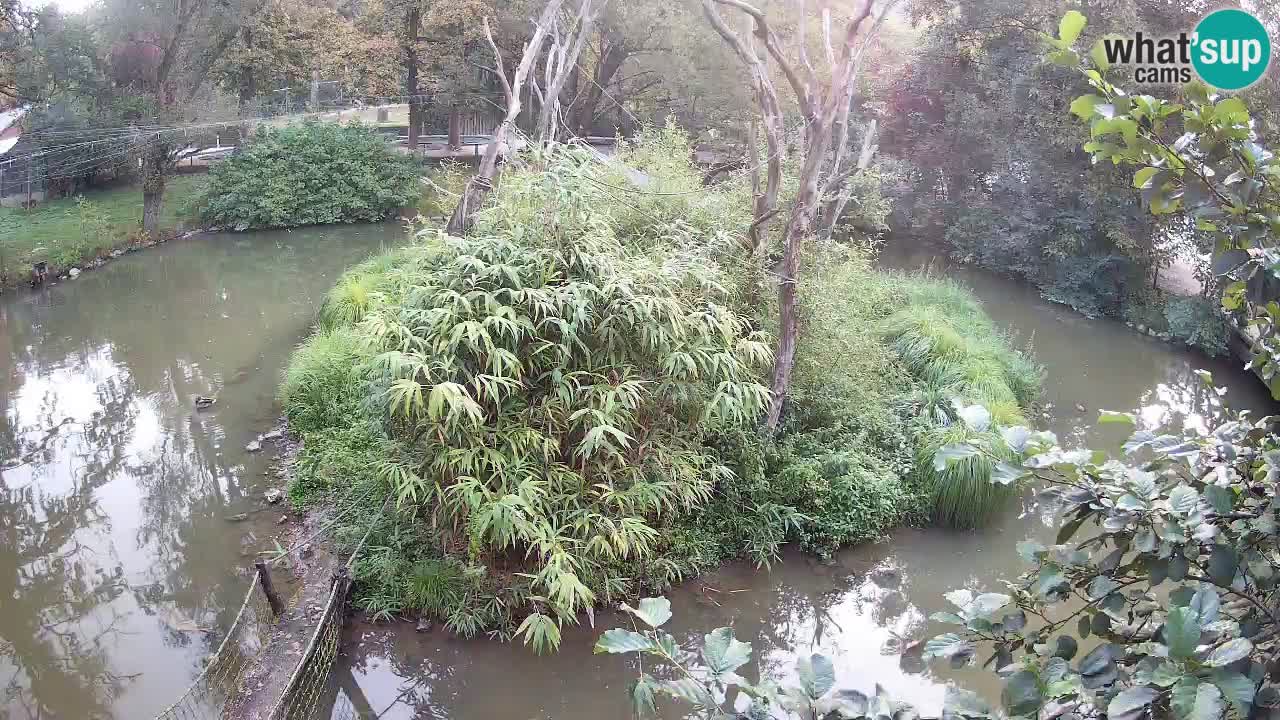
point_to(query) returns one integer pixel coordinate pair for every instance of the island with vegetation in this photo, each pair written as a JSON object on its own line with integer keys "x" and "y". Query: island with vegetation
{"x": 643, "y": 325}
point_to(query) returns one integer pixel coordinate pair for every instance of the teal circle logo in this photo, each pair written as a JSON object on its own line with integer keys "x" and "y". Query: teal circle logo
{"x": 1231, "y": 49}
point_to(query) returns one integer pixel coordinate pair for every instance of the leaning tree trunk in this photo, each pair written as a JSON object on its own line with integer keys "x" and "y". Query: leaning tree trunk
{"x": 480, "y": 185}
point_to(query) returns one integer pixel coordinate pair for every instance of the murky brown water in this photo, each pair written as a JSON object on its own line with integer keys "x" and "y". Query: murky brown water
{"x": 117, "y": 561}
{"x": 862, "y": 610}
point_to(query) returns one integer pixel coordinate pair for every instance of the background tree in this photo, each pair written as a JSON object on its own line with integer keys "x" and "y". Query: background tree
{"x": 566, "y": 48}
{"x": 823, "y": 101}
{"x": 992, "y": 167}
{"x": 282, "y": 43}
{"x": 162, "y": 55}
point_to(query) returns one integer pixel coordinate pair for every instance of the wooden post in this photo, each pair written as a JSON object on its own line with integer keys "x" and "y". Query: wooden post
{"x": 30, "y": 166}
{"x": 315, "y": 90}
{"x": 269, "y": 588}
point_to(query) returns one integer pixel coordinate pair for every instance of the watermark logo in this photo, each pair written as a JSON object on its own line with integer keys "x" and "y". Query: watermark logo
{"x": 1234, "y": 50}
{"x": 1229, "y": 50}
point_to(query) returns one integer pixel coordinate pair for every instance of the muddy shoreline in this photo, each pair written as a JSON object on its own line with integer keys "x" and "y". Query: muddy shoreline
{"x": 62, "y": 273}
{"x": 303, "y": 576}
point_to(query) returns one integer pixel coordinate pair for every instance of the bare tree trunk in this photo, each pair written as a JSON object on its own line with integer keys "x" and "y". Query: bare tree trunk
{"x": 455, "y": 128}
{"x": 248, "y": 80}
{"x": 799, "y": 232}
{"x": 561, "y": 62}
{"x": 834, "y": 207}
{"x": 480, "y": 185}
{"x": 823, "y": 104}
{"x": 613, "y": 54}
{"x": 412, "y": 21}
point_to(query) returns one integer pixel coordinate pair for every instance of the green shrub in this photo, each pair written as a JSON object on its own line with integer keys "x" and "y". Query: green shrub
{"x": 311, "y": 173}
{"x": 547, "y": 399}
{"x": 835, "y": 473}
{"x": 1198, "y": 322}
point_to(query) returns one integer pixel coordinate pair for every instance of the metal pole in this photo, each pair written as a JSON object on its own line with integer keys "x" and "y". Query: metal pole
{"x": 269, "y": 588}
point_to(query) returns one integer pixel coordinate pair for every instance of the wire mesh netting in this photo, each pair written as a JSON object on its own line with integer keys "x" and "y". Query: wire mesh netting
{"x": 207, "y": 696}
{"x": 308, "y": 693}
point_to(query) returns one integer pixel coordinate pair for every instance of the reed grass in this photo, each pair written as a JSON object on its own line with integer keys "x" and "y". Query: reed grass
{"x": 323, "y": 385}
{"x": 963, "y": 495}
{"x": 945, "y": 340}
{"x": 347, "y": 302}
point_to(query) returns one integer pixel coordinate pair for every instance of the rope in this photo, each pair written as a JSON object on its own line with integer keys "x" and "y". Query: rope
{"x": 330, "y": 523}
{"x": 351, "y": 561}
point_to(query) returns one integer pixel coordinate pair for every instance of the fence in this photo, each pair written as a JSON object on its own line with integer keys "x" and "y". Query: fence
{"x": 207, "y": 696}
{"x": 218, "y": 692}
{"x": 302, "y": 696}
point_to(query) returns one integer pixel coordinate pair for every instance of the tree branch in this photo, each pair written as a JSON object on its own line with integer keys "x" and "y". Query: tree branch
{"x": 497, "y": 59}
{"x": 765, "y": 33}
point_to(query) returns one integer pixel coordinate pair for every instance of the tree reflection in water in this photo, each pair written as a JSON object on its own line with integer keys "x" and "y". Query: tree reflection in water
{"x": 118, "y": 566}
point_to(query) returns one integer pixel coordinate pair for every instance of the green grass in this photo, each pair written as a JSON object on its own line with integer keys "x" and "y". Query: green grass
{"x": 323, "y": 385}
{"x": 65, "y": 232}
{"x": 948, "y": 343}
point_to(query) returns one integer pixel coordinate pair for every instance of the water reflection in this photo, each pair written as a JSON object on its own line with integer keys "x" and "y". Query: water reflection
{"x": 868, "y": 609}
{"x": 118, "y": 565}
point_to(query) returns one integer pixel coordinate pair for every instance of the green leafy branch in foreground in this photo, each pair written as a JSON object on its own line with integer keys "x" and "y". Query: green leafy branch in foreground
{"x": 1200, "y": 159}
{"x": 1174, "y": 586}
{"x": 710, "y": 683}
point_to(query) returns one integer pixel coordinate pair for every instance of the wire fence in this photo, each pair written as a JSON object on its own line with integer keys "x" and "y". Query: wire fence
{"x": 228, "y": 678}
{"x": 208, "y": 695}
{"x": 302, "y": 697}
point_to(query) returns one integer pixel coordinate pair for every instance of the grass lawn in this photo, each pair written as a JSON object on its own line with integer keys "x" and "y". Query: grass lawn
{"x": 64, "y": 232}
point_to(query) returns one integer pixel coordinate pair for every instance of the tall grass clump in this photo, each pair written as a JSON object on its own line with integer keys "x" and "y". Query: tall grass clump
{"x": 962, "y": 494}
{"x": 324, "y": 383}
{"x": 947, "y": 342}
{"x": 348, "y": 301}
